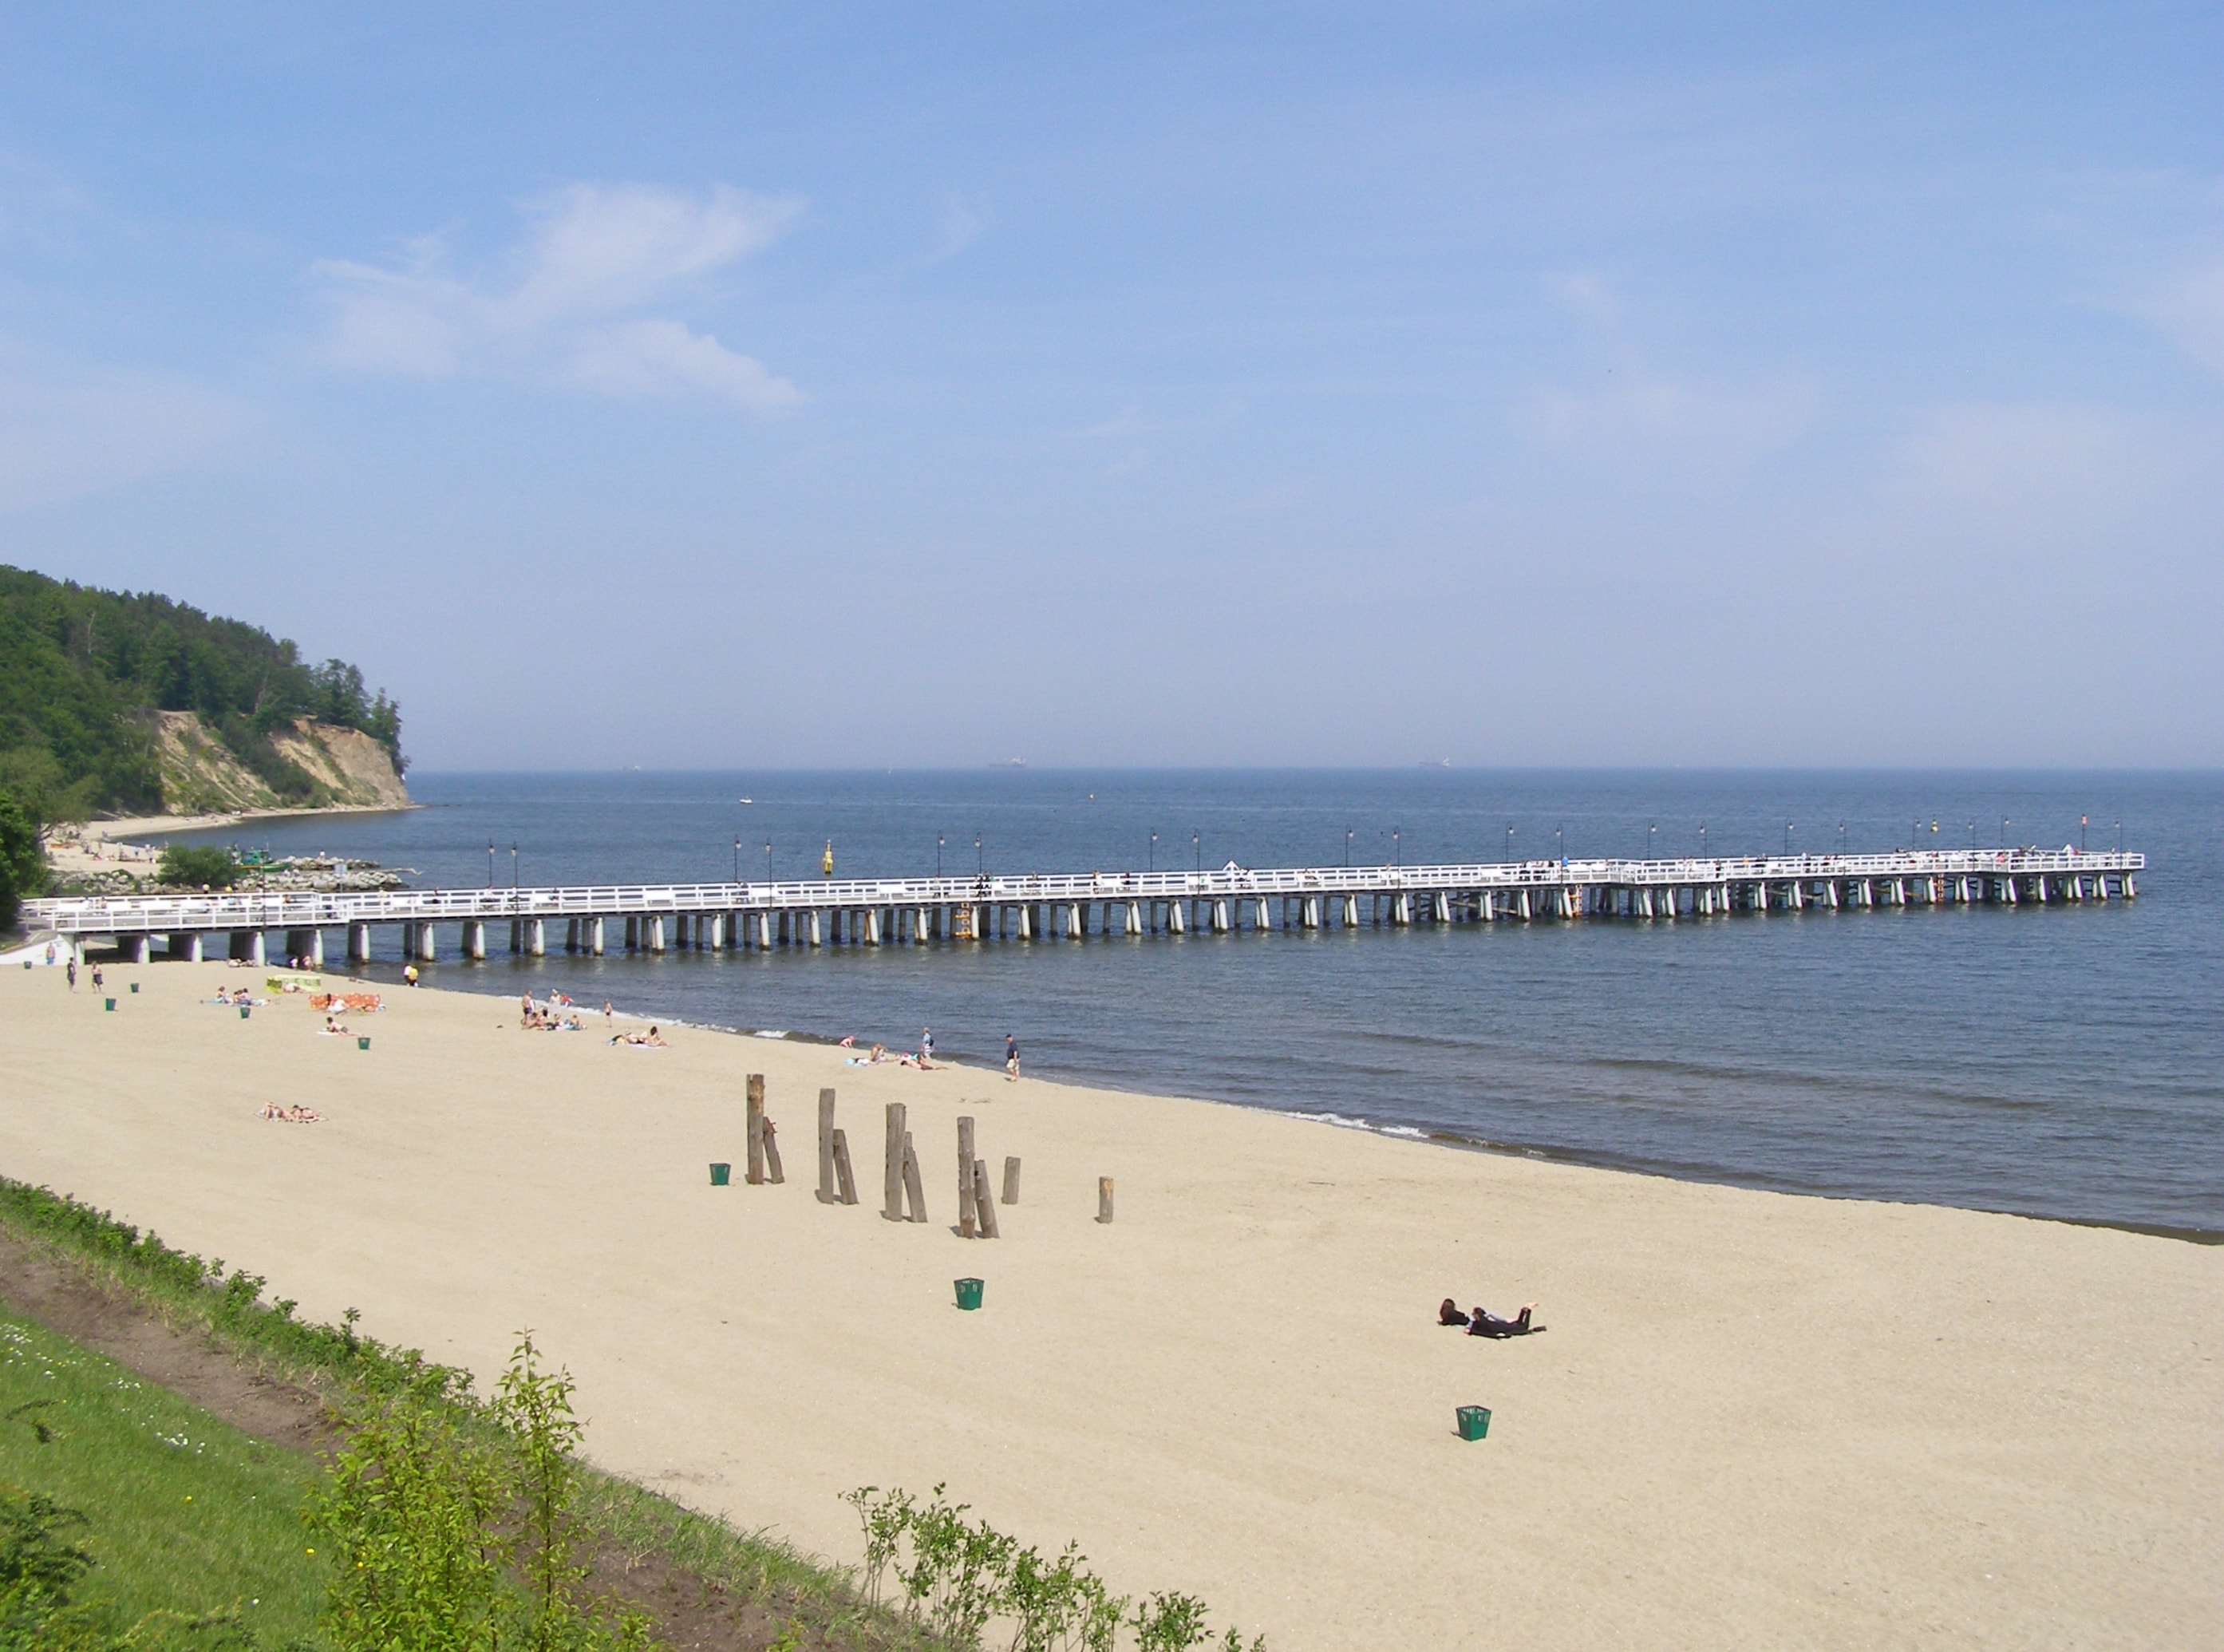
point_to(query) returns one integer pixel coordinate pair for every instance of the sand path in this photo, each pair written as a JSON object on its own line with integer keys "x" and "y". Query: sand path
{"x": 1756, "y": 1420}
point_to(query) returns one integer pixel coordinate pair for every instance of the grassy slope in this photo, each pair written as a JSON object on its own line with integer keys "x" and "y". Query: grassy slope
{"x": 187, "y": 1513}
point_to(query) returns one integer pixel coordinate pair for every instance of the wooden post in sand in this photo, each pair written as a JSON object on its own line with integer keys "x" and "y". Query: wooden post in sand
{"x": 1011, "y": 1180}
{"x": 772, "y": 1151}
{"x": 982, "y": 1200}
{"x": 968, "y": 1223}
{"x": 914, "y": 1194}
{"x": 756, "y": 1129}
{"x": 826, "y": 1146}
{"x": 892, "y": 1204}
{"x": 848, "y": 1183}
{"x": 1103, "y": 1199}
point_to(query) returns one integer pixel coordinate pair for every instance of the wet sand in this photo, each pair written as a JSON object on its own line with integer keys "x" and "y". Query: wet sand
{"x": 1755, "y": 1420}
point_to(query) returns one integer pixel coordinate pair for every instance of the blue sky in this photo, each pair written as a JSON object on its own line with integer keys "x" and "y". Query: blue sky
{"x": 1275, "y": 385}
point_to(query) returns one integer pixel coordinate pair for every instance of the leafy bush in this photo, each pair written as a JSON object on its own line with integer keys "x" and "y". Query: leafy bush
{"x": 198, "y": 866}
{"x": 22, "y": 863}
{"x": 415, "y": 1513}
{"x": 958, "y": 1576}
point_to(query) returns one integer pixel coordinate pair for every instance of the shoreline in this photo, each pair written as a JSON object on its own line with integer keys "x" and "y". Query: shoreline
{"x": 130, "y": 828}
{"x": 1757, "y": 1418}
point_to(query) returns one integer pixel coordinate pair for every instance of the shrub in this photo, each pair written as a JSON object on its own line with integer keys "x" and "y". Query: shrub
{"x": 22, "y": 863}
{"x": 200, "y": 866}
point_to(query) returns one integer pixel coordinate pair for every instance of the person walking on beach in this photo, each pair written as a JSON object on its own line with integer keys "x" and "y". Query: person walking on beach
{"x": 409, "y": 975}
{"x": 1011, "y": 1059}
{"x": 926, "y": 1046}
{"x": 70, "y": 969}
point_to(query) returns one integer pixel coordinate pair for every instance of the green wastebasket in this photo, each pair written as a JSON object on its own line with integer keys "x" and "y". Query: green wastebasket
{"x": 969, "y": 1294}
{"x": 242, "y": 1012}
{"x": 1473, "y": 1421}
{"x": 134, "y": 986}
{"x": 107, "y": 1004}
{"x": 722, "y": 1175}
{"x": 363, "y": 1043}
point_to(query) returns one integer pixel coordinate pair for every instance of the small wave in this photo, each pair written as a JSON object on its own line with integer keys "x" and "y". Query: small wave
{"x": 769, "y": 1032}
{"x": 1339, "y": 1120}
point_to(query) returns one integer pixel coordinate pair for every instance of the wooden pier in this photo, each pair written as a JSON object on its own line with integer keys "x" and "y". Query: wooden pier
{"x": 872, "y": 912}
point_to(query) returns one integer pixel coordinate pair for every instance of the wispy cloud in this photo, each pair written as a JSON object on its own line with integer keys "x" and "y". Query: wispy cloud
{"x": 573, "y": 307}
{"x": 66, "y": 430}
{"x": 2191, "y": 309}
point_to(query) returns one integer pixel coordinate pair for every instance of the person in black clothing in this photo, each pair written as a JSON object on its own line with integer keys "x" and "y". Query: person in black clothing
{"x": 1485, "y": 1323}
{"x": 1449, "y": 1314}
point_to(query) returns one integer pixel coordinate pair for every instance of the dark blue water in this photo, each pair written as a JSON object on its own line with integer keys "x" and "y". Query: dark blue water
{"x": 2066, "y": 1062}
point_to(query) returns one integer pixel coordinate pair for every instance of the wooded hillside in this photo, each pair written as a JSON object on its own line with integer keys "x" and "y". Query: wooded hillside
{"x": 83, "y": 673}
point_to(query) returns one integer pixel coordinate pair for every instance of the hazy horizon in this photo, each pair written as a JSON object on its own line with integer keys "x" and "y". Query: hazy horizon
{"x": 1586, "y": 386}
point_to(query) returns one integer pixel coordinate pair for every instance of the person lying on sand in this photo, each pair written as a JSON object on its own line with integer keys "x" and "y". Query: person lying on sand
{"x": 292, "y": 1115}
{"x": 335, "y": 1029}
{"x": 1451, "y": 1313}
{"x": 643, "y": 1041}
{"x": 1486, "y": 1325}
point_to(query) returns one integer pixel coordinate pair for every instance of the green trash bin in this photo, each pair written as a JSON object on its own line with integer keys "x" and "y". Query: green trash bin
{"x": 107, "y": 1004}
{"x": 969, "y": 1294}
{"x": 134, "y": 986}
{"x": 242, "y": 1011}
{"x": 1473, "y": 1421}
{"x": 722, "y": 1175}
{"x": 363, "y": 1043}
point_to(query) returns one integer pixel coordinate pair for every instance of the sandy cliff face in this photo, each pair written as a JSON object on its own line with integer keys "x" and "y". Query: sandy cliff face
{"x": 200, "y": 775}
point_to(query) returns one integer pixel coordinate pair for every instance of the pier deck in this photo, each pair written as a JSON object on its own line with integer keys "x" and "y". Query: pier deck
{"x": 1044, "y": 906}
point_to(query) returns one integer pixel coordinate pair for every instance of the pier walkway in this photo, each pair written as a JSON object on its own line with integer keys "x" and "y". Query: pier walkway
{"x": 655, "y": 918}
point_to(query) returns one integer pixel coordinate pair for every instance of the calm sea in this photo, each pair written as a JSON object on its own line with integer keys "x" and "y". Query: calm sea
{"x": 2066, "y": 1063}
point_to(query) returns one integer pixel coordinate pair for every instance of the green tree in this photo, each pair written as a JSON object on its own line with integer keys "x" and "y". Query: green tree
{"x": 197, "y": 866}
{"x": 22, "y": 863}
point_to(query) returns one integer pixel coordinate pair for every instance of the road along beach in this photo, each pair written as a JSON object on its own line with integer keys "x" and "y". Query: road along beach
{"x": 1755, "y": 1418}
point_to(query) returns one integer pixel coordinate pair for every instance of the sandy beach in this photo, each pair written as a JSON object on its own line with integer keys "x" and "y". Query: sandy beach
{"x": 1755, "y": 1420}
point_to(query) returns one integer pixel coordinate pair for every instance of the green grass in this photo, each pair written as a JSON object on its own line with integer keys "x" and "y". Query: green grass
{"x": 186, "y": 1514}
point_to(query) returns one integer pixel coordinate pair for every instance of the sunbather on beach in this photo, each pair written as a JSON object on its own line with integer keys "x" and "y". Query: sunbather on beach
{"x": 1451, "y": 1313}
{"x": 1485, "y": 1323}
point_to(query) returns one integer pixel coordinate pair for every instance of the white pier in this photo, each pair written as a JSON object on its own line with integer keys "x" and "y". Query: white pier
{"x": 657, "y": 918}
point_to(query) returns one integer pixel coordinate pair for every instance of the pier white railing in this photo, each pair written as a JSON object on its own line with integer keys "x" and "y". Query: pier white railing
{"x": 247, "y": 910}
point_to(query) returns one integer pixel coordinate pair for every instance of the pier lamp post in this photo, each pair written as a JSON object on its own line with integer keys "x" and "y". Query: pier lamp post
{"x": 489, "y": 862}
{"x": 2119, "y": 836}
{"x": 737, "y": 860}
{"x": 939, "y": 841}
{"x": 1509, "y": 840}
{"x": 512, "y": 874}
{"x": 1560, "y": 844}
{"x": 1152, "y": 864}
{"x": 1196, "y": 842}
{"x": 1649, "y": 830}
{"x": 2004, "y": 830}
{"x": 1973, "y": 836}
{"x": 1397, "y": 853}
{"x": 1703, "y": 841}
{"x": 1842, "y": 839}
{"x": 1347, "y": 846}
{"x": 980, "y": 860}
{"x": 2081, "y": 835}
{"x": 1787, "y": 840}
{"x": 767, "y": 861}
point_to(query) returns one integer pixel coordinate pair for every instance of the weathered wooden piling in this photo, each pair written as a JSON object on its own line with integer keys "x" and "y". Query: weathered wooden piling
{"x": 891, "y": 1206}
{"x": 984, "y": 1202}
{"x": 847, "y": 1183}
{"x": 1103, "y": 1199}
{"x": 967, "y": 1222}
{"x": 755, "y": 1105}
{"x": 826, "y": 1146}
{"x": 914, "y": 1190}
{"x": 774, "y": 1174}
{"x": 1011, "y": 1180}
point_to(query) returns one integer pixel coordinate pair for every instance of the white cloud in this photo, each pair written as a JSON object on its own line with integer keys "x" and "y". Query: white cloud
{"x": 1645, "y": 421}
{"x": 2191, "y": 310}
{"x": 67, "y": 431}
{"x": 594, "y": 257}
